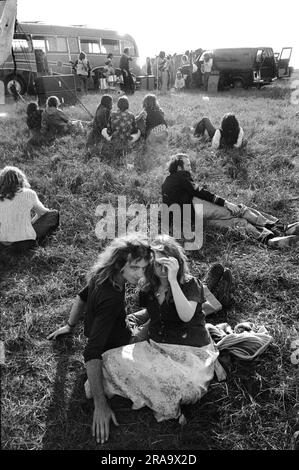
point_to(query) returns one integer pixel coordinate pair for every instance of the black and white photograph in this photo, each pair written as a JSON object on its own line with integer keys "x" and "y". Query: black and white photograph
{"x": 149, "y": 230}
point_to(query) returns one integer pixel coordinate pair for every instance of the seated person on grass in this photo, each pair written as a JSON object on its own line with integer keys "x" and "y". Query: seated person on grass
{"x": 100, "y": 120}
{"x": 18, "y": 230}
{"x": 151, "y": 120}
{"x": 55, "y": 122}
{"x": 121, "y": 129}
{"x": 34, "y": 122}
{"x": 229, "y": 135}
{"x": 180, "y": 188}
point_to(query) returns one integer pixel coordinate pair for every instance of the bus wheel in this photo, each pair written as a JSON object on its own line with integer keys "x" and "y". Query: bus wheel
{"x": 18, "y": 82}
{"x": 238, "y": 83}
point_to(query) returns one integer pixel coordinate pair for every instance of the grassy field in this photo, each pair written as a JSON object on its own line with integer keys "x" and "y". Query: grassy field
{"x": 43, "y": 402}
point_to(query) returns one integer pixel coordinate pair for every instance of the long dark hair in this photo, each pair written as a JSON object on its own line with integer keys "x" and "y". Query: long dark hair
{"x": 12, "y": 179}
{"x": 230, "y": 129}
{"x": 111, "y": 261}
{"x": 150, "y": 103}
{"x": 168, "y": 246}
{"x": 175, "y": 162}
{"x": 107, "y": 101}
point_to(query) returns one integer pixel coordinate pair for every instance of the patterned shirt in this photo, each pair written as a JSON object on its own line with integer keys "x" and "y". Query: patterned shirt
{"x": 121, "y": 125}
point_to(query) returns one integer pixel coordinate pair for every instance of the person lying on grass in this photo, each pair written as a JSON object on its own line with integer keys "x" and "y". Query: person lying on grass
{"x": 180, "y": 188}
{"x": 18, "y": 231}
{"x": 229, "y": 135}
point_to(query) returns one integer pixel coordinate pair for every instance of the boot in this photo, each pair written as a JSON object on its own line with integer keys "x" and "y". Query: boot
{"x": 283, "y": 242}
{"x": 292, "y": 229}
{"x": 222, "y": 292}
{"x": 213, "y": 276}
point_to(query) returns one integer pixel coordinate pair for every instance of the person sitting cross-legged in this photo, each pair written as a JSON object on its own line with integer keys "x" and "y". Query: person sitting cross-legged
{"x": 55, "y": 122}
{"x": 18, "y": 230}
{"x": 121, "y": 129}
{"x": 151, "y": 120}
{"x": 180, "y": 188}
{"x": 34, "y": 122}
{"x": 100, "y": 120}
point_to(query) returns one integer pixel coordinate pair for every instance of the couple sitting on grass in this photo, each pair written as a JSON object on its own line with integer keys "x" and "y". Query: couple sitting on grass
{"x": 162, "y": 356}
{"x": 120, "y": 128}
{"x": 49, "y": 123}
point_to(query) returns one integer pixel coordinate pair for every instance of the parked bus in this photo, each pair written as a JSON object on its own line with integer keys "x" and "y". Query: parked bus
{"x": 251, "y": 66}
{"x": 58, "y": 46}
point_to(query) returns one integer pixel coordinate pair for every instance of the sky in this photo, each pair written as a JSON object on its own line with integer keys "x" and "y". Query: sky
{"x": 177, "y": 26}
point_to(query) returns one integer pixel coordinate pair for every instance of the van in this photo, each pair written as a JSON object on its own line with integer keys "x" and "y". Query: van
{"x": 245, "y": 67}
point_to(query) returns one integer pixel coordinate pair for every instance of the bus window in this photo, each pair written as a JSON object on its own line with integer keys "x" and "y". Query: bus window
{"x": 39, "y": 42}
{"x": 73, "y": 45}
{"x": 51, "y": 44}
{"x": 20, "y": 43}
{"x": 130, "y": 45}
{"x": 110, "y": 45}
{"x": 56, "y": 44}
{"x": 90, "y": 46}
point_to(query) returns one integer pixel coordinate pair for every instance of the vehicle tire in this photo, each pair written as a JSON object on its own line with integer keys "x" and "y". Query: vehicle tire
{"x": 238, "y": 83}
{"x": 19, "y": 84}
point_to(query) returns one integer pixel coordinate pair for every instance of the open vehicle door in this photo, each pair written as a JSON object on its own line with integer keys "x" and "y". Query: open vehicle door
{"x": 283, "y": 69}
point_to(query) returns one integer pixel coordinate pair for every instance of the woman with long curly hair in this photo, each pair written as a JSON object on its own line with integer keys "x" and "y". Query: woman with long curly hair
{"x": 229, "y": 135}
{"x": 17, "y": 229}
{"x": 151, "y": 120}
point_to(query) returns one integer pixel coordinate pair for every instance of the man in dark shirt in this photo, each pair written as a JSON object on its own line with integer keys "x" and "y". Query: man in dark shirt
{"x": 123, "y": 261}
{"x": 180, "y": 188}
{"x": 124, "y": 64}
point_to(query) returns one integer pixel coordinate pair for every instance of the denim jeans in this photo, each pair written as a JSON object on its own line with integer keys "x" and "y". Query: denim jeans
{"x": 204, "y": 125}
{"x": 43, "y": 226}
{"x": 46, "y": 224}
{"x": 249, "y": 221}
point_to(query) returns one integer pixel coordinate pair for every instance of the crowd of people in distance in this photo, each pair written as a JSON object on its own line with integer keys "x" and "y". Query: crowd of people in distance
{"x": 180, "y": 71}
{"x": 171, "y": 71}
{"x": 108, "y": 76}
